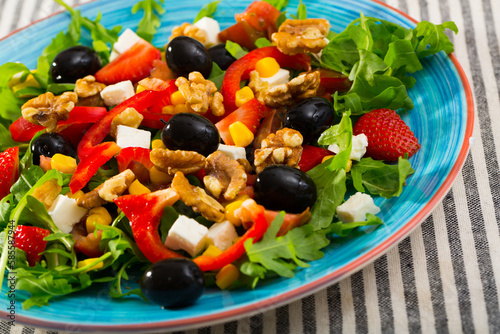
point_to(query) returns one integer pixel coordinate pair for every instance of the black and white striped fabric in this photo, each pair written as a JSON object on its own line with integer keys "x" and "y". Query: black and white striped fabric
{"x": 444, "y": 277}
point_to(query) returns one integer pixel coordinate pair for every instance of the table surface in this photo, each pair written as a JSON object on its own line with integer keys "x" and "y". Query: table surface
{"x": 444, "y": 276}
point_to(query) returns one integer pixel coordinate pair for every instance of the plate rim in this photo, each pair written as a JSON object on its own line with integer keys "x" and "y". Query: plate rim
{"x": 310, "y": 287}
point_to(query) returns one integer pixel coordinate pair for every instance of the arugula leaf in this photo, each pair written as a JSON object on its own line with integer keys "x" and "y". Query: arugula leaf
{"x": 58, "y": 89}
{"x": 10, "y": 105}
{"x": 235, "y": 49}
{"x": 380, "y": 178}
{"x": 208, "y": 10}
{"x": 6, "y": 206}
{"x": 432, "y": 39}
{"x": 343, "y": 229}
{"x": 340, "y": 135}
{"x": 262, "y": 42}
{"x": 217, "y": 75}
{"x": 27, "y": 180}
{"x": 150, "y": 21}
{"x": 301, "y": 12}
{"x": 278, "y": 4}
{"x": 6, "y": 140}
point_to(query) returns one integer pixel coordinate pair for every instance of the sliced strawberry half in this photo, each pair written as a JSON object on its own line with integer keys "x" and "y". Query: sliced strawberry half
{"x": 134, "y": 64}
{"x": 9, "y": 169}
{"x": 388, "y": 135}
{"x": 30, "y": 240}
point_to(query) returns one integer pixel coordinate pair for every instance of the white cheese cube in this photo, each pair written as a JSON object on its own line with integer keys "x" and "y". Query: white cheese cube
{"x": 125, "y": 41}
{"x": 283, "y": 76}
{"x": 234, "y": 152}
{"x": 187, "y": 234}
{"x": 211, "y": 27}
{"x": 356, "y": 208}
{"x": 334, "y": 148}
{"x": 115, "y": 94}
{"x": 127, "y": 136}
{"x": 222, "y": 235}
{"x": 359, "y": 144}
{"x": 66, "y": 213}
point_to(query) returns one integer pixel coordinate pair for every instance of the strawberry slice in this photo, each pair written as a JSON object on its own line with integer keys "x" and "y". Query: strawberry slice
{"x": 9, "y": 169}
{"x": 30, "y": 240}
{"x": 134, "y": 64}
{"x": 388, "y": 135}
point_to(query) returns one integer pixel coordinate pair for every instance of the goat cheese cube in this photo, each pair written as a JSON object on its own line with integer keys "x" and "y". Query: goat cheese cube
{"x": 115, "y": 94}
{"x": 283, "y": 76}
{"x": 356, "y": 208}
{"x": 358, "y": 149}
{"x": 187, "y": 234}
{"x": 222, "y": 235}
{"x": 66, "y": 213}
{"x": 127, "y": 136}
{"x": 125, "y": 41}
{"x": 234, "y": 152}
{"x": 211, "y": 27}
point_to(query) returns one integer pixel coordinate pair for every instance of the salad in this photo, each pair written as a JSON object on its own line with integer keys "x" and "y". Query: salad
{"x": 221, "y": 159}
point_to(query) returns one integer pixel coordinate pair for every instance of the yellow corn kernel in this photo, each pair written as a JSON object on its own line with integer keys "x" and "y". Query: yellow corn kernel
{"x": 157, "y": 143}
{"x": 170, "y": 110}
{"x": 326, "y": 158}
{"x": 139, "y": 89}
{"x": 177, "y": 98}
{"x": 243, "y": 96}
{"x": 92, "y": 220}
{"x": 74, "y": 196}
{"x": 241, "y": 135}
{"x": 159, "y": 177}
{"x": 349, "y": 165}
{"x": 101, "y": 211}
{"x": 229, "y": 211}
{"x": 137, "y": 188}
{"x": 267, "y": 67}
{"x": 212, "y": 251}
{"x": 86, "y": 262}
{"x": 180, "y": 108}
{"x": 226, "y": 276}
{"x": 63, "y": 163}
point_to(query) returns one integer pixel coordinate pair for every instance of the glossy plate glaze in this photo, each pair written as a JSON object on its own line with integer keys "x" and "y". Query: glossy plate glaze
{"x": 442, "y": 120}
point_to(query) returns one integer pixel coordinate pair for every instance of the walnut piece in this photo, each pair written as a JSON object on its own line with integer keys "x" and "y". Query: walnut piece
{"x": 47, "y": 109}
{"x": 301, "y": 87}
{"x": 87, "y": 86}
{"x": 171, "y": 162}
{"x": 129, "y": 117}
{"x": 224, "y": 176}
{"x": 282, "y": 148}
{"x": 200, "y": 94}
{"x": 198, "y": 199}
{"x": 187, "y": 29}
{"x": 47, "y": 192}
{"x": 301, "y": 36}
{"x": 107, "y": 191}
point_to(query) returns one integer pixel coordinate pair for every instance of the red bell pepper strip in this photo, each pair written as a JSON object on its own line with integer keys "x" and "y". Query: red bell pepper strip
{"x": 137, "y": 154}
{"x": 154, "y": 120}
{"x": 144, "y": 212}
{"x": 312, "y": 156}
{"x": 23, "y": 131}
{"x": 249, "y": 210}
{"x": 81, "y": 114}
{"x": 241, "y": 68}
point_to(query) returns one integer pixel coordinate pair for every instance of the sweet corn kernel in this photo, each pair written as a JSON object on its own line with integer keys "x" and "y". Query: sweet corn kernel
{"x": 179, "y": 108}
{"x": 159, "y": 177}
{"x": 170, "y": 110}
{"x": 212, "y": 251}
{"x": 267, "y": 67}
{"x": 63, "y": 163}
{"x": 86, "y": 262}
{"x": 137, "y": 188}
{"x": 139, "y": 89}
{"x": 177, "y": 98}
{"x": 95, "y": 219}
{"x": 75, "y": 196}
{"x": 349, "y": 165}
{"x": 226, "y": 276}
{"x": 157, "y": 143}
{"x": 101, "y": 211}
{"x": 241, "y": 135}
{"x": 326, "y": 158}
{"x": 229, "y": 211}
{"x": 243, "y": 96}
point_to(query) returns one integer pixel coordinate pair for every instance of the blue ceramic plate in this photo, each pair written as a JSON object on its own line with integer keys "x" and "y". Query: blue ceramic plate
{"x": 442, "y": 120}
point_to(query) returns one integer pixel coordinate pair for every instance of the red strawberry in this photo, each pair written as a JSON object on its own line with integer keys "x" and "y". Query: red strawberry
{"x": 30, "y": 240}
{"x": 388, "y": 135}
{"x": 9, "y": 169}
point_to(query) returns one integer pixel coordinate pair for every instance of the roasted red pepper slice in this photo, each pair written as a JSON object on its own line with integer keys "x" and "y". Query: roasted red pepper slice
{"x": 144, "y": 212}
{"x": 243, "y": 34}
{"x": 241, "y": 68}
{"x": 23, "y": 131}
{"x": 137, "y": 154}
{"x": 249, "y": 211}
{"x": 261, "y": 16}
{"x": 312, "y": 156}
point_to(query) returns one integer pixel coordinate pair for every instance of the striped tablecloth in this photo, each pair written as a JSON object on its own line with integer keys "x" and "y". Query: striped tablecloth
{"x": 442, "y": 278}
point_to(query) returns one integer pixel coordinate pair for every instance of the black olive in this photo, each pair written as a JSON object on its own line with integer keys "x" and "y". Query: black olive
{"x": 49, "y": 144}
{"x": 190, "y": 132}
{"x": 74, "y": 63}
{"x": 221, "y": 56}
{"x": 280, "y": 187}
{"x": 308, "y": 116}
{"x": 173, "y": 283}
{"x": 185, "y": 55}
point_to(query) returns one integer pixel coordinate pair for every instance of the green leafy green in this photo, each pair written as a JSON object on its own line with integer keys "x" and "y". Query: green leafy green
{"x": 340, "y": 135}
{"x": 10, "y": 105}
{"x": 278, "y": 4}
{"x": 150, "y": 21}
{"x": 343, "y": 229}
{"x": 301, "y": 12}
{"x": 217, "y": 75}
{"x": 207, "y": 11}
{"x": 235, "y": 49}
{"x": 262, "y": 42}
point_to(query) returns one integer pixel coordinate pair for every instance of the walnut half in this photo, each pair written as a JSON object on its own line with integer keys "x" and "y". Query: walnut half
{"x": 282, "y": 148}
{"x": 301, "y": 36}
{"x": 47, "y": 109}
{"x": 171, "y": 162}
{"x": 200, "y": 94}
{"x": 224, "y": 175}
